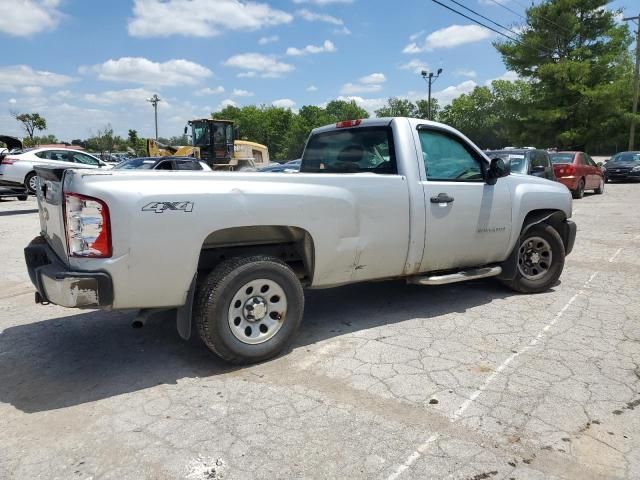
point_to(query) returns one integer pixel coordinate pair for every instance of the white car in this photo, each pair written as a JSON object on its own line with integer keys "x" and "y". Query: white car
{"x": 18, "y": 169}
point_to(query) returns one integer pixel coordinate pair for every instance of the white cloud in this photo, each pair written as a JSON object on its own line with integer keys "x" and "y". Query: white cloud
{"x": 462, "y": 72}
{"x": 242, "y": 93}
{"x": 319, "y": 17}
{"x": 127, "y": 96}
{"x": 267, "y": 40}
{"x": 146, "y": 72}
{"x": 416, "y": 35}
{"x": 14, "y": 76}
{"x": 416, "y": 65}
{"x": 326, "y": 47}
{"x": 25, "y": 18}
{"x": 446, "y": 95}
{"x": 322, "y": 2}
{"x": 226, "y": 103}
{"x": 509, "y": 76}
{"x": 201, "y": 18}
{"x": 32, "y": 91}
{"x": 209, "y": 91}
{"x": 353, "y": 88}
{"x": 283, "y": 103}
{"x": 369, "y": 104}
{"x": 12, "y": 101}
{"x": 449, "y": 37}
{"x": 373, "y": 78}
{"x": 312, "y": 88}
{"x": 247, "y": 75}
{"x": 257, "y": 64}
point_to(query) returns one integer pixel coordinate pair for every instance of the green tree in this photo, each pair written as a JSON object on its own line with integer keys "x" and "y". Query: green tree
{"x": 398, "y": 107}
{"x": 40, "y": 140}
{"x": 577, "y": 57}
{"x": 422, "y": 109}
{"x": 340, "y": 110}
{"x": 30, "y": 122}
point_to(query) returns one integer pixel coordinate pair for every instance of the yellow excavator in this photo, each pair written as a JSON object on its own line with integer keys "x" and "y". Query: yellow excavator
{"x": 216, "y": 143}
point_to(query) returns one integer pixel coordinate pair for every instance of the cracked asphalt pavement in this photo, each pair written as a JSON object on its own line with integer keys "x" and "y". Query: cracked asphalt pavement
{"x": 386, "y": 380}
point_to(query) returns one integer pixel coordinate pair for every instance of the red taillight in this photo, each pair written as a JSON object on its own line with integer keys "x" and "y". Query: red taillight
{"x": 565, "y": 170}
{"x": 87, "y": 226}
{"x": 348, "y": 123}
{"x": 9, "y": 160}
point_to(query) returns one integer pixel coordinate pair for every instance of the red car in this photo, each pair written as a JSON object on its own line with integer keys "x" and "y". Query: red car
{"x": 578, "y": 172}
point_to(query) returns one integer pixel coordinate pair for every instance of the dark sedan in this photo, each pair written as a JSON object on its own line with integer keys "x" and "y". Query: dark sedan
{"x": 528, "y": 161}
{"x": 623, "y": 166}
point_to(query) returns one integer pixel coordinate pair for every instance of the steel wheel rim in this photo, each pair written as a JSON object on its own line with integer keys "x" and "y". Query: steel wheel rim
{"x": 534, "y": 258}
{"x": 257, "y": 311}
{"x": 33, "y": 183}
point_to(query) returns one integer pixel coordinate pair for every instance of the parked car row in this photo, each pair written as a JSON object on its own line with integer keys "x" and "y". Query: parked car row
{"x": 576, "y": 170}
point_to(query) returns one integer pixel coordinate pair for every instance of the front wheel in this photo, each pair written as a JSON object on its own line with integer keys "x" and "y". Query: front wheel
{"x": 540, "y": 260}
{"x": 249, "y": 308}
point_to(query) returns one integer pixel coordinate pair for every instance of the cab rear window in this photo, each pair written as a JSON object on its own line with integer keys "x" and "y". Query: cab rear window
{"x": 355, "y": 150}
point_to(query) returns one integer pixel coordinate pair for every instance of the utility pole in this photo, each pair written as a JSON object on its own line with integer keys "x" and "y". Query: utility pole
{"x": 154, "y": 101}
{"x": 430, "y": 78}
{"x": 636, "y": 83}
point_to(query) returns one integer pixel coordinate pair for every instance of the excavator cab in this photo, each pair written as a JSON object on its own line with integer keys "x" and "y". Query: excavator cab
{"x": 214, "y": 138}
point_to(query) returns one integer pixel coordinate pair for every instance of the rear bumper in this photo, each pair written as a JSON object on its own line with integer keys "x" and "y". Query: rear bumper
{"x": 56, "y": 284}
{"x": 570, "y": 182}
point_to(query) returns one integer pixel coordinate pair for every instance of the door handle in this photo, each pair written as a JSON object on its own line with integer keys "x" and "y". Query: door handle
{"x": 442, "y": 198}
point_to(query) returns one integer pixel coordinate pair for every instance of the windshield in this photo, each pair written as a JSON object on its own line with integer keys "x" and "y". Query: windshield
{"x": 200, "y": 132}
{"x": 561, "y": 157}
{"x": 516, "y": 161}
{"x": 626, "y": 157}
{"x": 136, "y": 164}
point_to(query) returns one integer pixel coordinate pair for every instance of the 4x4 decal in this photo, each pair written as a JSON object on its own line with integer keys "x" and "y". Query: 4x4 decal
{"x": 160, "y": 207}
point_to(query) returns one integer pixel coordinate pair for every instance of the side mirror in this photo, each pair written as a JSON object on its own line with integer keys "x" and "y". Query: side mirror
{"x": 236, "y": 133}
{"x": 185, "y": 130}
{"x": 497, "y": 169}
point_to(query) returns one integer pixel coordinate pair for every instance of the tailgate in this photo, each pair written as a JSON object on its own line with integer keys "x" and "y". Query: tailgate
{"x": 51, "y": 208}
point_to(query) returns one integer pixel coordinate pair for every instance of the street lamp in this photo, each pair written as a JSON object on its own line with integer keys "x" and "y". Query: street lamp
{"x": 430, "y": 78}
{"x": 154, "y": 101}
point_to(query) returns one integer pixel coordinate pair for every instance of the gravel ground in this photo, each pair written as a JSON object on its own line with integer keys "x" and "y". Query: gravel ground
{"x": 386, "y": 380}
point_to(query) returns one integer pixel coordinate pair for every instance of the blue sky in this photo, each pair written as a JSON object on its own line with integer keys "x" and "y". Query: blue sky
{"x": 85, "y": 63}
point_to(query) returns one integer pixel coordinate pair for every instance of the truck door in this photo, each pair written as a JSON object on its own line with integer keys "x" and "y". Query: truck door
{"x": 468, "y": 223}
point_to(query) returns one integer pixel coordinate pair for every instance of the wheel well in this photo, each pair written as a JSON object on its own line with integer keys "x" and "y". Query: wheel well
{"x": 555, "y": 218}
{"x": 292, "y": 245}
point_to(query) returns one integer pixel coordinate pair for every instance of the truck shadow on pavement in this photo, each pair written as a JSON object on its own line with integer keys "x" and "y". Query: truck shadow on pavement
{"x": 82, "y": 358}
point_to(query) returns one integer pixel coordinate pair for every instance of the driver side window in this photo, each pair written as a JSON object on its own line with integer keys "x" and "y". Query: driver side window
{"x": 447, "y": 159}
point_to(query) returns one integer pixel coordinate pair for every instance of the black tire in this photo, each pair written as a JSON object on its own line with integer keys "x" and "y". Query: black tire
{"x": 522, "y": 283}
{"x": 23, "y": 198}
{"x": 213, "y": 303}
{"x": 27, "y": 182}
{"x": 579, "y": 191}
{"x": 600, "y": 189}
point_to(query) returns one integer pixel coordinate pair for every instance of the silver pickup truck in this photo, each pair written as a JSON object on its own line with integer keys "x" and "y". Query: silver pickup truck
{"x": 231, "y": 252}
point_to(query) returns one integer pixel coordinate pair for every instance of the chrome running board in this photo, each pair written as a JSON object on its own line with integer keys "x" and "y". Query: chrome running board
{"x": 461, "y": 276}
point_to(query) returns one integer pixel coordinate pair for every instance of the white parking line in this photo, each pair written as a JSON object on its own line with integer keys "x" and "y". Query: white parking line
{"x": 613, "y": 257}
{"x": 415, "y": 455}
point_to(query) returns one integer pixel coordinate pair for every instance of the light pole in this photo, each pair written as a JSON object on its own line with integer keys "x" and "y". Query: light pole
{"x": 636, "y": 84}
{"x": 430, "y": 78}
{"x": 154, "y": 101}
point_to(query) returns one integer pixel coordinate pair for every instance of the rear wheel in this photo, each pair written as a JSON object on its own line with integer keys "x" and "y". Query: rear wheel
{"x": 600, "y": 189}
{"x": 31, "y": 182}
{"x": 579, "y": 191}
{"x": 540, "y": 260}
{"x": 249, "y": 308}
{"x": 23, "y": 198}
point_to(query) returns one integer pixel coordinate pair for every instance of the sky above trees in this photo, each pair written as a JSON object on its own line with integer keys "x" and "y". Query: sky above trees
{"x": 82, "y": 64}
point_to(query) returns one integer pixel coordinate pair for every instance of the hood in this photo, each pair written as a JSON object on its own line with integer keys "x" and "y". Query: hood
{"x": 11, "y": 142}
{"x": 622, "y": 164}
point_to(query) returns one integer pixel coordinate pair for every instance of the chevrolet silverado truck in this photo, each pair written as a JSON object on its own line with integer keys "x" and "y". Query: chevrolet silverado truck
{"x": 231, "y": 253}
